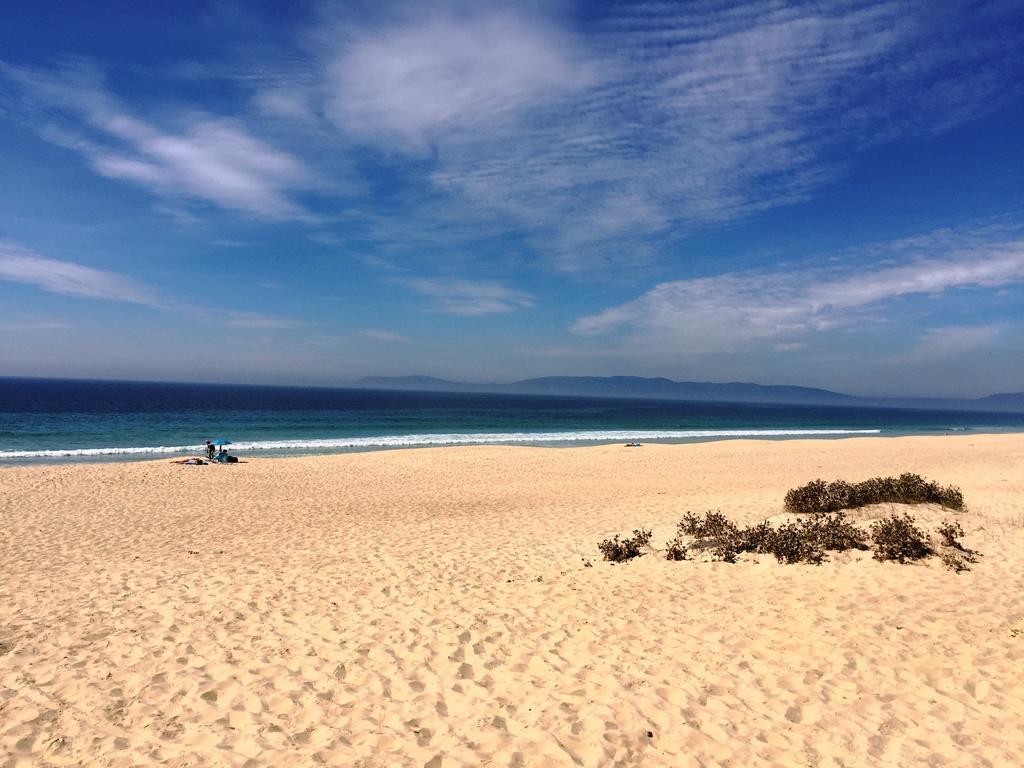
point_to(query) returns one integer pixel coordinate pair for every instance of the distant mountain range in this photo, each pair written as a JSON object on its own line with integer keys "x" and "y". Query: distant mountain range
{"x": 666, "y": 389}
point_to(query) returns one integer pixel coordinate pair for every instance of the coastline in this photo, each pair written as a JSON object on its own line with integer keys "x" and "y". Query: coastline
{"x": 433, "y": 604}
{"x": 314, "y": 448}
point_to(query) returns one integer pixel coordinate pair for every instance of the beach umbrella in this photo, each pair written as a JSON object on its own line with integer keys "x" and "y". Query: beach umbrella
{"x": 221, "y": 441}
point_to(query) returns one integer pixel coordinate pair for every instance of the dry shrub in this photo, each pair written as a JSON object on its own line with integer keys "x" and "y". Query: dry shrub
{"x": 714, "y": 531}
{"x": 954, "y": 562}
{"x": 619, "y": 550}
{"x": 676, "y": 550}
{"x": 791, "y": 544}
{"x": 897, "y": 538}
{"x": 714, "y": 525}
{"x": 805, "y": 541}
{"x": 951, "y": 533}
{"x": 819, "y": 497}
{"x": 955, "y": 555}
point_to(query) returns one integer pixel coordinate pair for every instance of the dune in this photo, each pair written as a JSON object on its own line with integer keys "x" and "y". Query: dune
{"x": 448, "y": 607}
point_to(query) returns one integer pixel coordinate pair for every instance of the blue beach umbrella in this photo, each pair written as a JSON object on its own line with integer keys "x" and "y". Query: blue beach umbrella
{"x": 221, "y": 441}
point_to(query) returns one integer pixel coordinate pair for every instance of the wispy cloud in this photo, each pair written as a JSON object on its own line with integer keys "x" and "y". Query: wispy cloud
{"x": 592, "y": 145}
{"x": 469, "y": 297}
{"x": 938, "y": 345}
{"x": 379, "y": 335}
{"x": 257, "y": 321}
{"x": 21, "y": 265}
{"x": 19, "y": 324}
{"x": 733, "y": 311}
{"x": 201, "y": 157}
{"x": 665, "y": 117}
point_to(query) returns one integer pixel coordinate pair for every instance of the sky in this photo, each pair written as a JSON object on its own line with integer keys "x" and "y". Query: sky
{"x": 819, "y": 194}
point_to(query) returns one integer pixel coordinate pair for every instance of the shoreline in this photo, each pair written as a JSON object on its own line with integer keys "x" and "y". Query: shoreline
{"x": 407, "y": 606}
{"x": 387, "y": 443}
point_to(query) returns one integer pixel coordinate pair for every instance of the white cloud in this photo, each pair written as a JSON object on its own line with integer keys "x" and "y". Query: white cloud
{"x": 20, "y": 265}
{"x": 469, "y": 297}
{"x": 663, "y": 119}
{"x": 202, "y": 157}
{"x": 412, "y": 84}
{"x": 597, "y": 145}
{"x": 734, "y": 311}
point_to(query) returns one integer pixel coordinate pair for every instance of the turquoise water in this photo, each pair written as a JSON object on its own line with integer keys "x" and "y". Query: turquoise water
{"x": 56, "y": 420}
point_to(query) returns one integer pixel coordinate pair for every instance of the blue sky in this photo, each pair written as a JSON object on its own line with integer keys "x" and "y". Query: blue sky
{"x": 820, "y": 194}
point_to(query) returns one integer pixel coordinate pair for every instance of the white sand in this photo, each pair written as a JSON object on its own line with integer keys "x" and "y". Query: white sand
{"x": 431, "y": 607}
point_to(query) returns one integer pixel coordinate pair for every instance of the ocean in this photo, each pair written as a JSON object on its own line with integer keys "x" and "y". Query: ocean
{"x": 48, "y": 420}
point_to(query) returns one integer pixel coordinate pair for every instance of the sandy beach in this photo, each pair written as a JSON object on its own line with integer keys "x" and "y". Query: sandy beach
{"x": 433, "y": 607}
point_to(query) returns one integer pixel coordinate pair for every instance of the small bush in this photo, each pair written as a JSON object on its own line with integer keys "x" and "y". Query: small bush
{"x": 675, "y": 550}
{"x": 813, "y": 497}
{"x": 954, "y": 562}
{"x": 714, "y": 526}
{"x": 715, "y": 531}
{"x": 898, "y": 538}
{"x": 790, "y": 543}
{"x": 805, "y": 541}
{"x": 836, "y": 533}
{"x": 956, "y": 556}
{"x": 950, "y": 533}
{"x": 619, "y": 550}
{"x": 819, "y": 497}
{"x": 759, "y": 538}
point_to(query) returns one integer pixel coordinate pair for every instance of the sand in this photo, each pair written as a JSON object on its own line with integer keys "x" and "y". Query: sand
{"x": 433, "y": 607}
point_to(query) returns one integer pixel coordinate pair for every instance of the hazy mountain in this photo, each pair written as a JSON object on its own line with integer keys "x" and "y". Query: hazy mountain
{"x": 666, "y": 389}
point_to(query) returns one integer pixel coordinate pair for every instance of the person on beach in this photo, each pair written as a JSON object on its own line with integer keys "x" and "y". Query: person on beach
{"x": 209, "y": 449}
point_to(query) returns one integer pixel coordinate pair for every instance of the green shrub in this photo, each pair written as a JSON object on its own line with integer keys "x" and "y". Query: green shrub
{"x": 819, "y": 497}
{"x": 898, "y": 538}
{"x": 619, "y": 550}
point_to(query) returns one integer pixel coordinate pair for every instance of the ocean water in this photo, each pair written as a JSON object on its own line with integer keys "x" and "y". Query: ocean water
{"x": 46, "y": 420}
